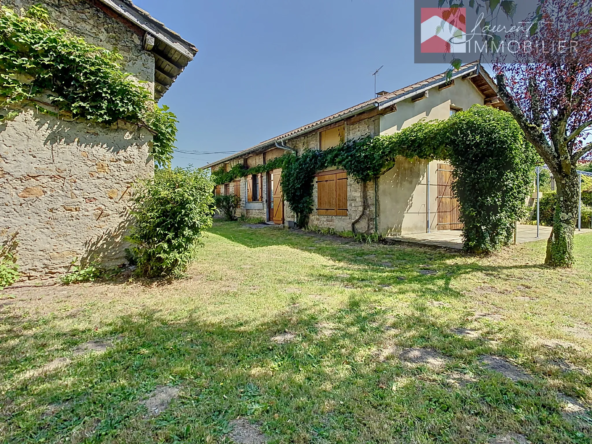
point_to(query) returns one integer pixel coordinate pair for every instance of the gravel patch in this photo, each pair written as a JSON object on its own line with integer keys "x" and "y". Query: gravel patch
{"x": 284, "y": 338}
{"x": 423, "y": 356}
{"x": 93, "y": 347}
{"x": 160, "y": 399}
{"x": 243, "y": 432}
{"x": 511, "y": 438}
{"x": 499, "y": 365}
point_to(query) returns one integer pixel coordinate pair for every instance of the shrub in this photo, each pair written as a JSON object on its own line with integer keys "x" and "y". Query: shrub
{"x": 228, "y": 205}
{"x": 170, "y": 212}
{"x": 81, "y": 274}
{"x": 493, "y": 165}
{"x": 547, "y": 211}
{"x": 8, "y": 268}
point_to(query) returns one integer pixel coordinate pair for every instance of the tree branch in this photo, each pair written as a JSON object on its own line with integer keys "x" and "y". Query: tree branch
{"x": 587, "y": 149}
{"x": 534, "y": 134}
{"x": 579, "y": 131}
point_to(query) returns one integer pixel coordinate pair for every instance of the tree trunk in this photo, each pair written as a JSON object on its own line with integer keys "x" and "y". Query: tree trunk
{"x": 560, "y": 244}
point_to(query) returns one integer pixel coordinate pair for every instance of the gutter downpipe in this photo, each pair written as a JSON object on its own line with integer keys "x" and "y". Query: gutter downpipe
{"x": 375, "y": 205}
{"x": 428, "y": 196}
{"x": 281, "y": 146}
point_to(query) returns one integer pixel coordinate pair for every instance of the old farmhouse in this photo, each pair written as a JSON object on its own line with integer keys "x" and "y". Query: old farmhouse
{"x": 413, "y": 197}
{"x": 64, "y": 184}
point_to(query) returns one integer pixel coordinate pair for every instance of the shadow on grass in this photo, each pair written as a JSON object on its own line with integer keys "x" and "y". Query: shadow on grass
{"x": 334, "y": 382}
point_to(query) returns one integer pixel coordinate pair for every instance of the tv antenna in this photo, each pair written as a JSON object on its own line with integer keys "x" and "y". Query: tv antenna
{"x": 375, "y": 75}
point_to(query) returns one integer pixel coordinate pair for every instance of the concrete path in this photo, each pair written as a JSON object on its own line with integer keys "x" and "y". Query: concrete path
{"x": 453, "y": 238}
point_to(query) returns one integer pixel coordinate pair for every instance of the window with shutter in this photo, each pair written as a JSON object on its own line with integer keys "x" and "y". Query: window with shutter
{"x": 250, "y": 188}
{"x": 333, "y": 137}
{"x": 332, "y": 193}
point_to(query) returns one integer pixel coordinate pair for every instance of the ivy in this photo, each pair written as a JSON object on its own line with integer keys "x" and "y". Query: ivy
{"x": 164, "y": 123}
{"x": 492, "y": 166}
{"x": 43, "y": 65}
{"x": 221, "y": 177}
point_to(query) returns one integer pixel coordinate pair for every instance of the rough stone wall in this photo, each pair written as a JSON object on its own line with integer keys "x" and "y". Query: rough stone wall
{"x": 65, "y": 186}
{"x": 355, "y": 193}
{"x": 85, "y": 20}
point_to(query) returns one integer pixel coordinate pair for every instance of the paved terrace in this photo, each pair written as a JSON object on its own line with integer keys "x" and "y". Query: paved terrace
{"x": 453, "y": 238}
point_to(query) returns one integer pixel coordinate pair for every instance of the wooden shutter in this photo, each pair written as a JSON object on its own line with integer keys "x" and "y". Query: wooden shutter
{"x": 250, "y": 188}
{"x": 237, "y": 188}
{"x": 218, "y": 190}
{"x": 448, "y": 207}
{"x": 341, "y": 194}
{"x": 332, "y": 193}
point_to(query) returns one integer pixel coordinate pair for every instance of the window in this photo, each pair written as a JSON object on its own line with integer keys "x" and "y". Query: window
{"x": 332, "y": 137}
{"x": 226, "y": 189}
{"x": 332, "y": 193}
{"x": 454, "y": 110}
{"x": 254, "y": 188}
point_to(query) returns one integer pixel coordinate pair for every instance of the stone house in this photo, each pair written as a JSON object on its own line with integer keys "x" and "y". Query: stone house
{"x": 65, "y": 184}
{"x": 413, "y": 197}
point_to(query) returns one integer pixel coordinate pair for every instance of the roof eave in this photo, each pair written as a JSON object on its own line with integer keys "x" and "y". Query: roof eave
{"x": 287, "y": 136}
{"x": 407, "y": 95}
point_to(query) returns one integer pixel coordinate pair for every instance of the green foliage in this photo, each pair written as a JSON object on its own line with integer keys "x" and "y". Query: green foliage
{"x": 492, "y": 161}
{"x": 8, "y": 268}
{"x": 548, "y": 205}
{"x": 228, "y": 205}
{"x": 298, "y": 182}
{"x": 493, "y": 175}
{"x": 84, "y": 79}
{"x": 221, "y": 177}
{"x": 79, "y": 274}
{"x": 164, "y": 122}
{"x": 171, "y": 211}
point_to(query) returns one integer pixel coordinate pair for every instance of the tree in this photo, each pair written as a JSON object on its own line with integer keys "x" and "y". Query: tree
{"x": 549, "y": 93}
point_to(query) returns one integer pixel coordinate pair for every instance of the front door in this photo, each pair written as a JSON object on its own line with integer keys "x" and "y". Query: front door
{"x": 448, "y": 208}
{"x": 277, "y": 198}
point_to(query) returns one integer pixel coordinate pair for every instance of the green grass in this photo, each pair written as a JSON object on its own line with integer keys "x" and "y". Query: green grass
{"x": 347, "y": 304}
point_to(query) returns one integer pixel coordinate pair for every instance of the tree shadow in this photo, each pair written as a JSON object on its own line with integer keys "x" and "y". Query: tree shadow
{"x": 336, "y": 381}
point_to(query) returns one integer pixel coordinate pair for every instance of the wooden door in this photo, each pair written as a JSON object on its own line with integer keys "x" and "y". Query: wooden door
{"x": 448, "y": 208}
{"x": 277, "y": 200}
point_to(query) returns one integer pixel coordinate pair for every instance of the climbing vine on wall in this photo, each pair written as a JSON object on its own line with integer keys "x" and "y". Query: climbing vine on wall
{"x": 48, "y": 67}
{"x": 220, "y": 176}
{"x": 492, "y": 166}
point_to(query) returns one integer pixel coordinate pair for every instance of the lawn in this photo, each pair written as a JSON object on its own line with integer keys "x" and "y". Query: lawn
{"x": 294, "y": 337}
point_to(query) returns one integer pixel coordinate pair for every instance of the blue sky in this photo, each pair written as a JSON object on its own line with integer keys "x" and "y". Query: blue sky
{"x": 265, "y": 67}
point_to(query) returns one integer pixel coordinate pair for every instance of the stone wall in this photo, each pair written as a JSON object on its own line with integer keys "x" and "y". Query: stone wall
{"x": 65, "y": 187}
{"x": 86, "y": 20}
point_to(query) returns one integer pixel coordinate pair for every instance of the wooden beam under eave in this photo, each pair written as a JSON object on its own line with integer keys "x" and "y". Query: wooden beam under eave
{"x": 419, "y": 97}
{"x": 163, "y": 78}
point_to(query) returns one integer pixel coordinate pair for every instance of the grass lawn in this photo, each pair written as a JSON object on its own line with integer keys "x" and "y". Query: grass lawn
{"x": 306, "y": 339}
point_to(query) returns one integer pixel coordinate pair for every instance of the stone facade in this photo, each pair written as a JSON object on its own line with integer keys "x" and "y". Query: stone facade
{"x": 83, "y": 19}
{"x": 366, "y": 221}
{"x": 65, "y": 190}
{"x": 65, "y": 185}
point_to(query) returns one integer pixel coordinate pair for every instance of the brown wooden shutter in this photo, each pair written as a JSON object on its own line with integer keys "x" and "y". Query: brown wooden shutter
{"x": 341, "y": 194}
{"x": 237, "y": 188}
{"x": 250, "y": 188}
{"x": 332, "y": 193}
{"x": 218, "y": 190}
